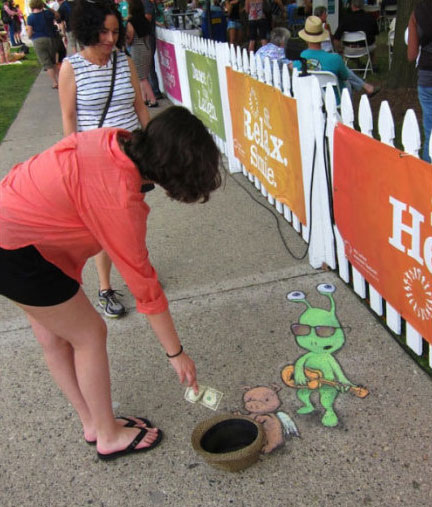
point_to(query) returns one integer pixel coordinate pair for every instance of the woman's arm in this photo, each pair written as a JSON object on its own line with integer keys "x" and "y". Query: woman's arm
{"x": 163, "y": 326}
{"x": 413, "y": 40}
{"x": 67, "y": 95}
{"x": 29, "y": 30}
{"x": 140, "y": 107}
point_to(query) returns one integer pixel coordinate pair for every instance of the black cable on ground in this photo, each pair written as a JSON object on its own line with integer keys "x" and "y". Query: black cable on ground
{"x": 276, "y": 215}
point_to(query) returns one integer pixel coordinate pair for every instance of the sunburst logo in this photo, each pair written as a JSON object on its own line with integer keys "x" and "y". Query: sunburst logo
{"x": 418, "y": 292}
{"x": 254, "y": 103}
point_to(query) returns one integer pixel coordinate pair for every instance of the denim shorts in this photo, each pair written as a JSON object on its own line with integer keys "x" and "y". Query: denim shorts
{"x": 234, "y": 24}
{"x": 27, "y": 278}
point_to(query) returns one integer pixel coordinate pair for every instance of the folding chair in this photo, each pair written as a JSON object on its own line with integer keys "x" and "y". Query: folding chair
{"x": 390, "y": 44}
{"x": 324, "y": 78}
{"x": 355, "y": 46}
{"x": 390, "y": 12}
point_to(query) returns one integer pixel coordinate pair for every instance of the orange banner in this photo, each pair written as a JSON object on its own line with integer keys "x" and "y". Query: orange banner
{"x": 382, "y": 201}
{"x": 266, "y": 138}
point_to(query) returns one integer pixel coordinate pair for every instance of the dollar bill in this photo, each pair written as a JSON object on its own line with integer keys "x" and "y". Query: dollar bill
{"x": 191, "y": 396}
{"x": 211, "y": 398}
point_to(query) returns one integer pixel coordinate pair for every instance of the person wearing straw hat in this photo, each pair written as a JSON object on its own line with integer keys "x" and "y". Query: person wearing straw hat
{"x": 317, "y": 59}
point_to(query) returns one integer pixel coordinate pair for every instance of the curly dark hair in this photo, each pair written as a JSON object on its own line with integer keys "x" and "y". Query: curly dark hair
{"x": 177, "y": 152}
{"x": 88, "y": 18}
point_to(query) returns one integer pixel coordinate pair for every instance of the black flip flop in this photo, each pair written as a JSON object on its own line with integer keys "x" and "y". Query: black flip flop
{"x": 130, "y": 424}
{"x": 131, "y": 448}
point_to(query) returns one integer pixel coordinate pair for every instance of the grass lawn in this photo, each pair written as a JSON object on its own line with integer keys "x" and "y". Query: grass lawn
{"x": 15, "y": 83}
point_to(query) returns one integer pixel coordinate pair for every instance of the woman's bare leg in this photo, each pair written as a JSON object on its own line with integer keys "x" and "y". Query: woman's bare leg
{"x": 77, "y": 323}
{"x": 59, "y": 356}
{"x": 52, "y": 73}
{"x": 103, "y": 266}
{"x": 232, "y": 36}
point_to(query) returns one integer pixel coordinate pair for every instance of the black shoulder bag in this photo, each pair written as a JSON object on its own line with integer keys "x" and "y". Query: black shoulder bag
{"x": 101, "y": 121}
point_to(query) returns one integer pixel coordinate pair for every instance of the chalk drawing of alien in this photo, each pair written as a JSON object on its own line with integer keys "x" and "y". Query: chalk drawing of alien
{"x": 319, "y": 332}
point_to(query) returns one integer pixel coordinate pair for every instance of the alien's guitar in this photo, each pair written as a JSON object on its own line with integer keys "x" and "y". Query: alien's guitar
{"x": 315, "y": 379}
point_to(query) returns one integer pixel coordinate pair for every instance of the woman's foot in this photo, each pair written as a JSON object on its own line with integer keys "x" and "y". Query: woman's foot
{"x": 130, "y": 422}
{"x": 121, "y": 442}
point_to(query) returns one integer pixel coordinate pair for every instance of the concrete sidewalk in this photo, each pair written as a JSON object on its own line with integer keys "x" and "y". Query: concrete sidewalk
{"x": 226, "y": 275}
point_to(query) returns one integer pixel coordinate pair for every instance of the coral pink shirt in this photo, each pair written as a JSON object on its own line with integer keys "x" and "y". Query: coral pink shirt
{"x": 77, "y": 198}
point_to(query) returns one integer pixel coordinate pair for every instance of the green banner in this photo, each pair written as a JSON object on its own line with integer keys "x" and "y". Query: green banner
{"x": 205, "y": 93}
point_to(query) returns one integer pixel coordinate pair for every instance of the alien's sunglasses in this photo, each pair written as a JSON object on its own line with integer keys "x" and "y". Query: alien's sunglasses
{"x": 321, "y": 331}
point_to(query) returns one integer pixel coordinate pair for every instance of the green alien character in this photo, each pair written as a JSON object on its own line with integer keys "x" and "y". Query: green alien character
{"x": 319, "y": 332}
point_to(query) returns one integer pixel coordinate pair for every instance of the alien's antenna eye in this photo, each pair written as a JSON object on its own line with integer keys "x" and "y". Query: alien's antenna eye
{"x": 326, "y": 288}
{"x": 296, "y": 295}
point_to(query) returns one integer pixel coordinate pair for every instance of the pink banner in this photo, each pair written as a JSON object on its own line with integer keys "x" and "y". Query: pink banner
{"x": 168, "y": 67}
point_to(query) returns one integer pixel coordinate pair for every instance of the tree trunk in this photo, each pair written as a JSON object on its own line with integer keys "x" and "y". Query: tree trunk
{"x": 402, "y": 73}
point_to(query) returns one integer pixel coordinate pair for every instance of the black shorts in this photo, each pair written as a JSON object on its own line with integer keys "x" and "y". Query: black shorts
{"x": 27, "y": 278}
{"x": 258, "y": 29}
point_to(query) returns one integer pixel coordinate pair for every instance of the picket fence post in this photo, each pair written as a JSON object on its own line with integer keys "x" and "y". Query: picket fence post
{"x": 286, "y": 90}
{"x": 366, "y": 127}
{"x": 412, "y": 142}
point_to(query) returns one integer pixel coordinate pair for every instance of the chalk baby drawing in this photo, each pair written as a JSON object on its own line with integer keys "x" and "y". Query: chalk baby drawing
{"x": 262, "y": 404}
{"x": 320, "y": 333}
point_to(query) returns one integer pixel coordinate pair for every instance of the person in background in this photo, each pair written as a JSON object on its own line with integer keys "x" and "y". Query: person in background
{"x": 355, "y": 82}
{"x": 64, "y": 11}
{"x": 160, "y": 14}
{"x": 420, "y": 44}
{"x": 257, "y": 22}
{"x": 53, "y": 216}
{"x": 85, "y": 80}
{"x": 150, "y": 14}
{"x": 11, "y": 11}
{"x": 6, "y": 56}
{"x": 138, "y": 39}
{"x": 17, "y": 25}
{"x": 357, "y": 20}
{"x": 278, "y": 13}
{"x": 42, "y": 32}
{"x": 317, "y": 59}
{"x": 304, "y": 7}
{"x": 275, "y": 49}
{"x": 321, "y": 12}
{"x": 234, "y": 27}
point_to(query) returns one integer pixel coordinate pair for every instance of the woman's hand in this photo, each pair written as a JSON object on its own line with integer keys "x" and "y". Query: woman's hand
{"x": 185, "y": 369}
{"x": 163, "y": 326}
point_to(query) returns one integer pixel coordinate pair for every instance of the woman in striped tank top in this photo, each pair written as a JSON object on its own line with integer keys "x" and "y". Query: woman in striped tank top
{"x": 84, "y": 85}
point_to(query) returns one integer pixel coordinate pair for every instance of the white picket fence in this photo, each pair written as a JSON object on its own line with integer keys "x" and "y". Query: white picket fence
{"x": 316, "y": 122}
